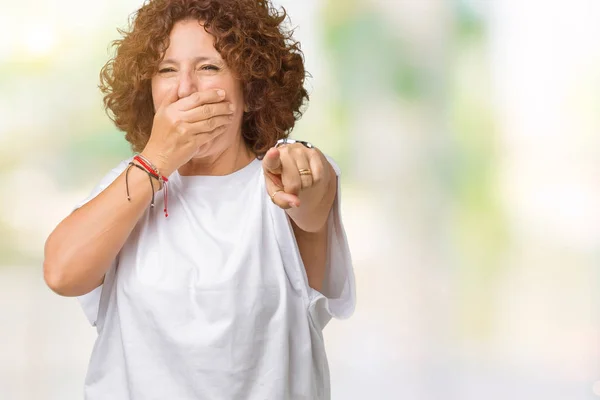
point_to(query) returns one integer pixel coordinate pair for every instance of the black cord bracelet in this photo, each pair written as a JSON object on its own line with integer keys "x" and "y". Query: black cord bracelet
{"x": 150, "y": 176}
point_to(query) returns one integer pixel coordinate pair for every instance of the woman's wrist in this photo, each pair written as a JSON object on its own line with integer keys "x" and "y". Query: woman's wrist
{"x": 157, "y": 183}
{"x": 154, "y": 172}
{"x": 157, "y": 162}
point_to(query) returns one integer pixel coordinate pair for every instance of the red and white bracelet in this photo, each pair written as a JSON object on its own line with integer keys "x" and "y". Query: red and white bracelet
{"x": 153, "y": 172}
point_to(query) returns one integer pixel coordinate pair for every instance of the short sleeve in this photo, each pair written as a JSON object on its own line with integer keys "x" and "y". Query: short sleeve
{"x": 337, "y": 298}
{"x": 90, "y": 302}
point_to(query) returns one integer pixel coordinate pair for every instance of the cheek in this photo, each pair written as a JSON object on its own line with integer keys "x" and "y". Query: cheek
{"x": 236, "y": 95}
{"x": 210, "y": 82}
{"x": 223, "y": 81}
{"x": 232, "y": 88}
{"x": 158, "y": 93}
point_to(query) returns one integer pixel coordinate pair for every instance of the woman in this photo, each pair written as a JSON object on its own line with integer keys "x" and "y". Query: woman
{"x": 224, "y": 295}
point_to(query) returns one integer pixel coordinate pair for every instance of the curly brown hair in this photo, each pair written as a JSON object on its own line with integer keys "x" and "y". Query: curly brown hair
{"x": 250, "y": 38}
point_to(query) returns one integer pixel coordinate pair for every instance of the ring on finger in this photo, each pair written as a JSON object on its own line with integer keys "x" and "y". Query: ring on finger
{"x": 274, "y": 193}
{"x": 305, "y": 171}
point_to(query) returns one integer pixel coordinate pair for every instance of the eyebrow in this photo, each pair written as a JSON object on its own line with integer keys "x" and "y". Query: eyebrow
{"x": 195, "y": 60}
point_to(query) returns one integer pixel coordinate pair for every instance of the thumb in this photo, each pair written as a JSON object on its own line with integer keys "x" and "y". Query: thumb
{"x": 171, "y": 96}
{"x": 278, "y": 196}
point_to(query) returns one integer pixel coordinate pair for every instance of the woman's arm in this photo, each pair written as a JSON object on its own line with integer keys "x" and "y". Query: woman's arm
{"x": 313, "y": 250}
{"x": 312, "y": 201}
{"x": 82, "y": 247}
{"x": 80, "y": 250}
{"x": 313, "y": 211}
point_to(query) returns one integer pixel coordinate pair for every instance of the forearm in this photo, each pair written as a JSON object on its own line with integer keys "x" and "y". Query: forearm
{"x": 82, "y": 247}
{"x": 315, "y": 204}
{"x": 313, "y": 250}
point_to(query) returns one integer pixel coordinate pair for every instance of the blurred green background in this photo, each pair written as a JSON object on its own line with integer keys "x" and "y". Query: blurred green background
{"x": 468, "y": 134}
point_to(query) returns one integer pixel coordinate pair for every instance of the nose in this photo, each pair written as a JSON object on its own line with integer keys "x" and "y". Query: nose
{"x": 187, "y": 84}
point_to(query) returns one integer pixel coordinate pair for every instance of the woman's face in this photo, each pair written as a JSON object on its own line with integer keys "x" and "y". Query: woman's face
{"x": 193, "y": 63}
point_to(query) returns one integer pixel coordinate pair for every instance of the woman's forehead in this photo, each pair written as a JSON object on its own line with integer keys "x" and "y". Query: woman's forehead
{"x": 189, "y": 40}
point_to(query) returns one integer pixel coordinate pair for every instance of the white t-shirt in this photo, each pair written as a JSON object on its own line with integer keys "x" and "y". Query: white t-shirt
{"x": 213, "y": 302}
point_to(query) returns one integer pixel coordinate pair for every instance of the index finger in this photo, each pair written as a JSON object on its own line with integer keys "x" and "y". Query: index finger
{"x": 199, "y": 98}
{"x": 272, "y": 161}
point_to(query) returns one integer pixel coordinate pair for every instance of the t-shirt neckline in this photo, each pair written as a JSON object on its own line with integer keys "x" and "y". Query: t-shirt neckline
{"x": 205, "y": 181}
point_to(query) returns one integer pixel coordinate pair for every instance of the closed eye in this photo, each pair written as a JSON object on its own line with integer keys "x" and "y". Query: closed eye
{"x": 165, "y": 70}
{"x": 209, "y": 68}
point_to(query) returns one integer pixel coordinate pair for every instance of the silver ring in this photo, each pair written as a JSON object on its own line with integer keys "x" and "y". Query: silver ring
{"x": 283, "y": 141}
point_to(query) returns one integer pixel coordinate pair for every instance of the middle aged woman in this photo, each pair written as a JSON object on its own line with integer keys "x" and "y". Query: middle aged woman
{"x": 219, "y": 287}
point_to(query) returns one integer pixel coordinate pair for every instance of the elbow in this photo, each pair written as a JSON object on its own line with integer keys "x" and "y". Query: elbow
{"x": 63, "y": 283}
{"x": 63, "y": 279}
{"x": 55, "y": 279}
{"x": 55, "y": 272}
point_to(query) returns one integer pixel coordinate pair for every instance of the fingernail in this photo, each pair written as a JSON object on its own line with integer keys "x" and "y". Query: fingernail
{"x": 221, "y": 93}
{"x": 231, "y": 108}
{"x": 293, "y": 205}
